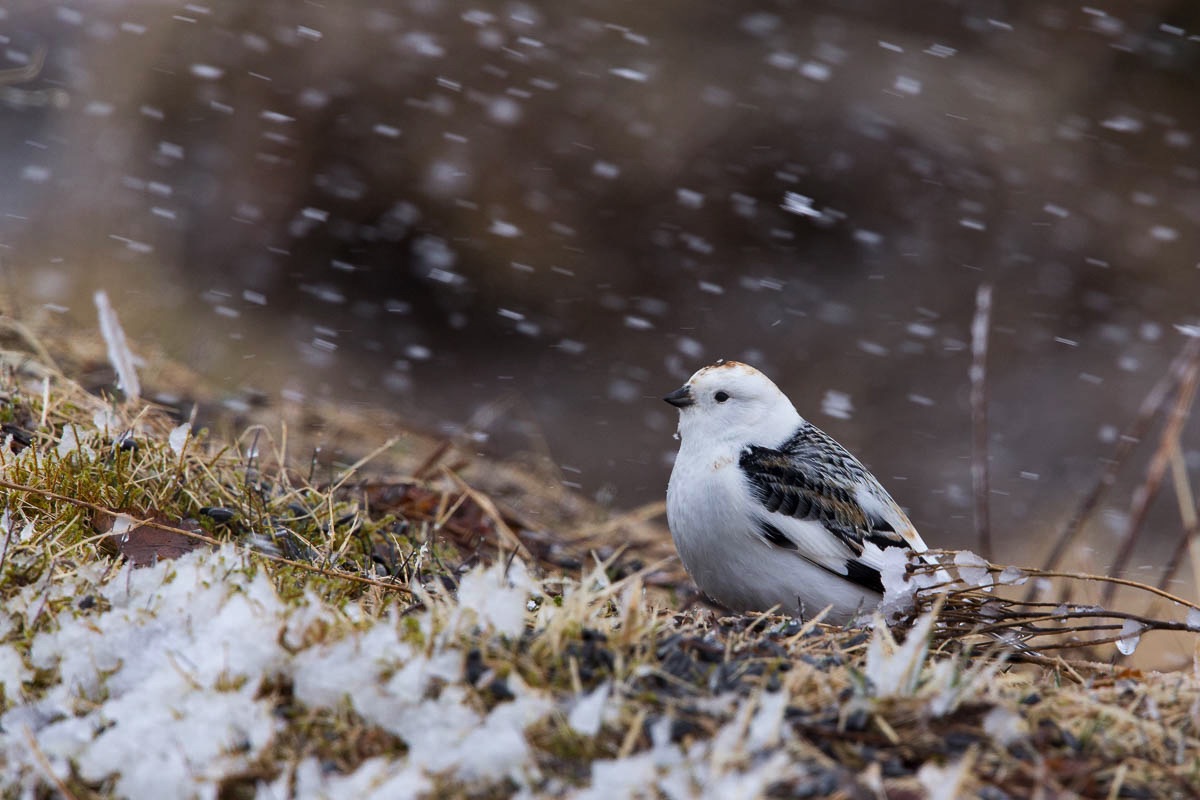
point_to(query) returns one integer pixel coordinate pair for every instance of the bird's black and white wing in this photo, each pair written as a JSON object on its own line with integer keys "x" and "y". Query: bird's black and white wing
{"x": 817, "y": 500}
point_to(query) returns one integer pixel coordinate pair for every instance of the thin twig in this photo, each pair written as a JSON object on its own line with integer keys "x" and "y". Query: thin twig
{"x": 1146, "y": 493}
{"x": 592, "y": 531}
{"x": 1151, "y": 407}
{"x": 30, "y": 70}
{"x": 357, "y": 465}
{"x": 7, "y": 534}
{"x": 431, "y": 461}
{"x": 970, "y": 611}
{"x": 1110, "y": 579}
{"x": 1187, "y": 513}
{"x": 503, "y": 531}
{"x": 926, "y": 567}
{"x": 35, "y": 344}
{"x": 979, "y": 423}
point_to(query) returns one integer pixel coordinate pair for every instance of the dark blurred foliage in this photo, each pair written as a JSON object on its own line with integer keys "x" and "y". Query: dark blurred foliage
{"x": 556, "y": 211}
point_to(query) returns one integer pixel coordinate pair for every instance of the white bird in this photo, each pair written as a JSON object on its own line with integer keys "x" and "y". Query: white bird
{"x": 768, "y": 511}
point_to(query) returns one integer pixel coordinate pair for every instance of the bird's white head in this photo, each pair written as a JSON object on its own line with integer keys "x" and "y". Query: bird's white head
{"x": 733, "y": 403}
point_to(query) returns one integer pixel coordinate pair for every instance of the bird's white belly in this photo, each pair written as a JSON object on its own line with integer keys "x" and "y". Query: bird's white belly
{"x": 713, "y": 519}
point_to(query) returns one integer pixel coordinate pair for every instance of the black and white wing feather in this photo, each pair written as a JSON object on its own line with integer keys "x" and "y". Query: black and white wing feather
{"x": 819, "y": 501}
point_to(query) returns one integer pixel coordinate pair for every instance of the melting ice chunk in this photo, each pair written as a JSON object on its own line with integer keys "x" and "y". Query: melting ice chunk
{"x": 1193, "y": 619}
{"x": 972, "y": 568}
{"x": 178, "y": 437}
{"x": 1131, "y": 634}
{"x": 1012, "y": 576}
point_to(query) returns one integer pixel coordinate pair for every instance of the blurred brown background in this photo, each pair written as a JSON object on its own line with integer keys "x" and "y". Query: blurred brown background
{"x": 527, "y": 221}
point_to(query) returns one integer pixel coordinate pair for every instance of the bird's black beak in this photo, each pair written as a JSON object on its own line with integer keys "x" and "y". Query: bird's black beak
{"x": 681, "y": 397}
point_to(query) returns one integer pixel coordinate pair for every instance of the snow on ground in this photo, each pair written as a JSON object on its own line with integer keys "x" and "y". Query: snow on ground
{"x": 161, "y": 688}
{"x": 161, "y": 677}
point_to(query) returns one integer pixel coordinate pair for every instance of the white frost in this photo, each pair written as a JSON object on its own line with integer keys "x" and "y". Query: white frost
{"x": 178, "y": 438}
{"x": 1004, "y": 725}
{"x": 767, "y": 724}
{"x": 149, "y": 690}
{"x": 944, "y": 783}
{"x": 588, "y": 714}
{"x": 108, "y": 423}
{"x": 159, "y": 687}
{"x": 71, "y": 443}
{"x": 894, "y": 670}
{"x": 497, "y": 594}
{"x": 13, "y": 673}
{"x": 375, "y": 779}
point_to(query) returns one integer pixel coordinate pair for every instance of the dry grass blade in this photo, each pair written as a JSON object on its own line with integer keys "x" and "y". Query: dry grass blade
{"x": 44, "y": 763}
{"x": 1191, "y": 523}
{"x": 484, "y": 502}
{"x": 979, "y": 421}
{"x": 32, "y": 342}
{"x": 119, "y": 354}
{"x": 1168, "y": 442}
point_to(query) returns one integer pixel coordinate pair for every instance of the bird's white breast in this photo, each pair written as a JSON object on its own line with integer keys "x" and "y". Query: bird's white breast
{"x": 713, "y": 516}
{"x": 706, "y": 510}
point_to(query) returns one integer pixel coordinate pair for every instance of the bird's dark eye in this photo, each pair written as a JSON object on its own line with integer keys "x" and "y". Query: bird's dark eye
{"x": 720, "y": 397}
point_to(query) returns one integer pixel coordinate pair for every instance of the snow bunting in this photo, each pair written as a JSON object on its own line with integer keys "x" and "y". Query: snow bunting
{"x": 767, "y": 510}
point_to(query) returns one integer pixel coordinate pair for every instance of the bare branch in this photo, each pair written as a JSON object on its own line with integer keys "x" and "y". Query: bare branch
{"x": 1145, "y": 494}
{"x": 1152, "y": 406}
